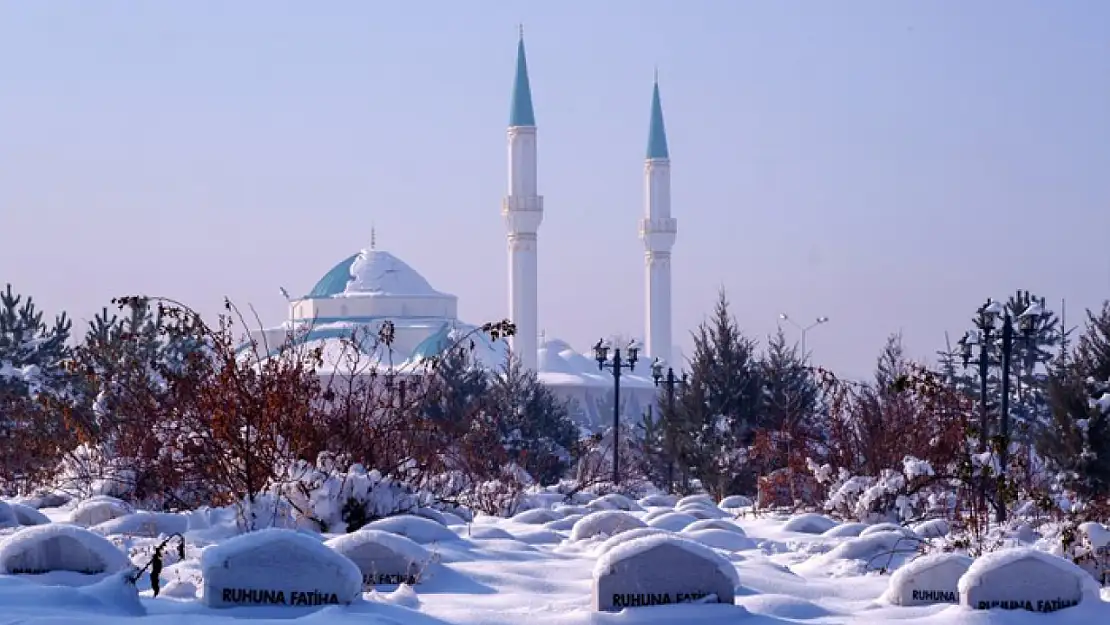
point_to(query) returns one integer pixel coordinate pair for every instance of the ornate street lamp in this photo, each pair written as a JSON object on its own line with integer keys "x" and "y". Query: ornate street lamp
{"x": 669, "y": 381}
{"x": 616, "y": 365}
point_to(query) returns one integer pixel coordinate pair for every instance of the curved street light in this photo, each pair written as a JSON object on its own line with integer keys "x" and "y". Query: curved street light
{"x": 803, "y": 329}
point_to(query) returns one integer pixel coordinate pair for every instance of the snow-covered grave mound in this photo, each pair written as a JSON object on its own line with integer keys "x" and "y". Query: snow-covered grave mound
{"x": 277, "y": 567}
{"x": 1025, "y": 578}
{"x": 662, "y": 570}
{"x": 810, "y": 523}
{"x": 452, "y": 519}
{"x": 713, "y": 524}
{"x": 720, "y": 539}
{"x": 655, "y": 513}
{"x": 565, "y": 523}
{"x": 933, "y": 528}
{"x": 702, "y": 511}
{"x": 887, "y": 527}
{"x": 929, "y": 579}
{"x": 383, "y": 558}
{"x": 604, "y": 523}
{"x": 432, "y": 515}
{"x": 26, "y": 515}
{"x": 8, "y": 517}
{"x": 699, "y": 499}
{"x": 659, "y": 501}
{"x": 419, "y": 529}
{"x": 1097, "y": 536}
{"x": 619, "y": 502}
{"x": 538, "y": 516}
{"x": 97, "y": 510}
{"x": 878, "y": 551}
{"x": 147, "y": 524}
{"x": 734, "y": 502}
{"x": 55, "y": 547}
{"x": 623, "y": 537}
{"x": 672, "y": 521}
{"x": 845, "y": 530}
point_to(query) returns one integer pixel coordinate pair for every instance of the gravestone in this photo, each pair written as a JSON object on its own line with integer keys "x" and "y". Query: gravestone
{"x": 383, "y": 558}
{"x": 809, "y": 523}
{"x": 672, "y": 521}
{"x": 277, "y": 567}
{"x": 56, "y": 547}
{"x": 538, "y": 516}
{"x": 7, "y": 516}
{"x": 661, "y": 570}
{"x": 928, "y": 579}
{"x": 1024, "y": 579}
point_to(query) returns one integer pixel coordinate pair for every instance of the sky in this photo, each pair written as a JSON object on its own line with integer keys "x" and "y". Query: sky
{"x": 889, "y": 165}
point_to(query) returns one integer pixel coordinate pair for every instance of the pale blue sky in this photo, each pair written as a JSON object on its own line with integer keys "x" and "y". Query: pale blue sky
{"x": 830, "y": 158}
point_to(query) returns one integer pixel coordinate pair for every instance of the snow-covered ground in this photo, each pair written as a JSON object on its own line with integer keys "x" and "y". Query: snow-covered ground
{"x": 536, "y": 569}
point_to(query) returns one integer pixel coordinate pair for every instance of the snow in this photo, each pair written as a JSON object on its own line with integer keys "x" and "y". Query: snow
{"x": 988, "y": 563}
{"x": 713, "y": 524}
{"x": 539, "y": 516}
{"x": 404, "y": 547}
{"x": 736, "y": 501}
{"x": 26, "y": 515}
{"x": 664, "y": 501}
{"x": 640, "y": 545}
{"x": 57, "y": 547}
{"x": 845, "y": 530}
{"x": 8, "y": 516}
{"x": 97, "y": 510}
{"x": 673, "y": 521}
{"x": 604, "y": 523}
{"x": 783, "y": 576}
{"x": 419, "y": 529}
{"x": 810, "y": 523}
{"x": 150, "y": 524}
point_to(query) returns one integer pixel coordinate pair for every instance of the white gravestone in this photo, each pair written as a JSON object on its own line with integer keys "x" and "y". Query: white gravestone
{"x": 661, "y": 570}
{"x": 383, "y": 558}
{"x": 56, "y": 547}
{"x": 277, "y": 567}
{"x": 929, "y": 579}
{"x": 1025, "y": 579}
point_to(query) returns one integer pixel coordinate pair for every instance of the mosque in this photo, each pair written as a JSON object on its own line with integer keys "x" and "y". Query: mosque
{"x": 369, "y": 287}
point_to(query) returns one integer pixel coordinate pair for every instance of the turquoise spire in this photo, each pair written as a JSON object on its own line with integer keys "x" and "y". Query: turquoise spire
{"x": 657, "y": 135}
{"x": 521, "y": 113}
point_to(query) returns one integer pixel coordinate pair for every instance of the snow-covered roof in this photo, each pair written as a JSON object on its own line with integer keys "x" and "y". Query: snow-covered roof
{"x": 373, "y": 273}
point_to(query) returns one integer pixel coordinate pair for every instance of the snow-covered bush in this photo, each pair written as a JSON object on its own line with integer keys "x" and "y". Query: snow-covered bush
{"x": 903, "y": 495}
{"x": 331, "y": 499}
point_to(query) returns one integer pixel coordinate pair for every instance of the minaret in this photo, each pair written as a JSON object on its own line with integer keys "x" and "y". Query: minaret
{"x": 523, "y": 213}
{"x": 658, "y": 231}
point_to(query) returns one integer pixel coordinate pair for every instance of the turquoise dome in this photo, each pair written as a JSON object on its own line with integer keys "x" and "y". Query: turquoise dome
{"x": 335, "y": 280}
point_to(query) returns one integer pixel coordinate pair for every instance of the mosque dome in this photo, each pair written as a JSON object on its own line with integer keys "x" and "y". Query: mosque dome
{"x": 373, "y": 273}
{"x": 374, "y": 285}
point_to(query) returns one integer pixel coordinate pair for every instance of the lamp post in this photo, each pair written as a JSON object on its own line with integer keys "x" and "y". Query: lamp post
{"x": 986, "y": 320}
{"x": 616, "y": 364}
{"x": 803, "y": 329}
{"x": 669, "y": 382}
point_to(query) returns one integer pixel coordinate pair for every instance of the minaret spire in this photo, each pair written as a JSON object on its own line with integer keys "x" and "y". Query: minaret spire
{"x": 522, "y": 210}
{"x": 373, "y": 237}
{"x": 520, "y": 111}
{"x": 657, "y": 132}
{"x": 658, "y": 230}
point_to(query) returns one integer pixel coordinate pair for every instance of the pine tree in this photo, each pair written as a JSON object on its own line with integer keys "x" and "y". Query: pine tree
{"x": 723, "y": 403}
{"x": 32, "y": 354}
{"x": 35, "y": 392}
{"x": 535, "y": 425}
{"x": 1077, "y": 440}
{"x": 1092, "y": 352}
{"x": 460, "y": 384}
{"x": 790, "y": 397}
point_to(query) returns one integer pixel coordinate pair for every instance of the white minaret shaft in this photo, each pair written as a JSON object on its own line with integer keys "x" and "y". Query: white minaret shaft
{"x": 522, "y": 210}
{"x": 658, "y": 230}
